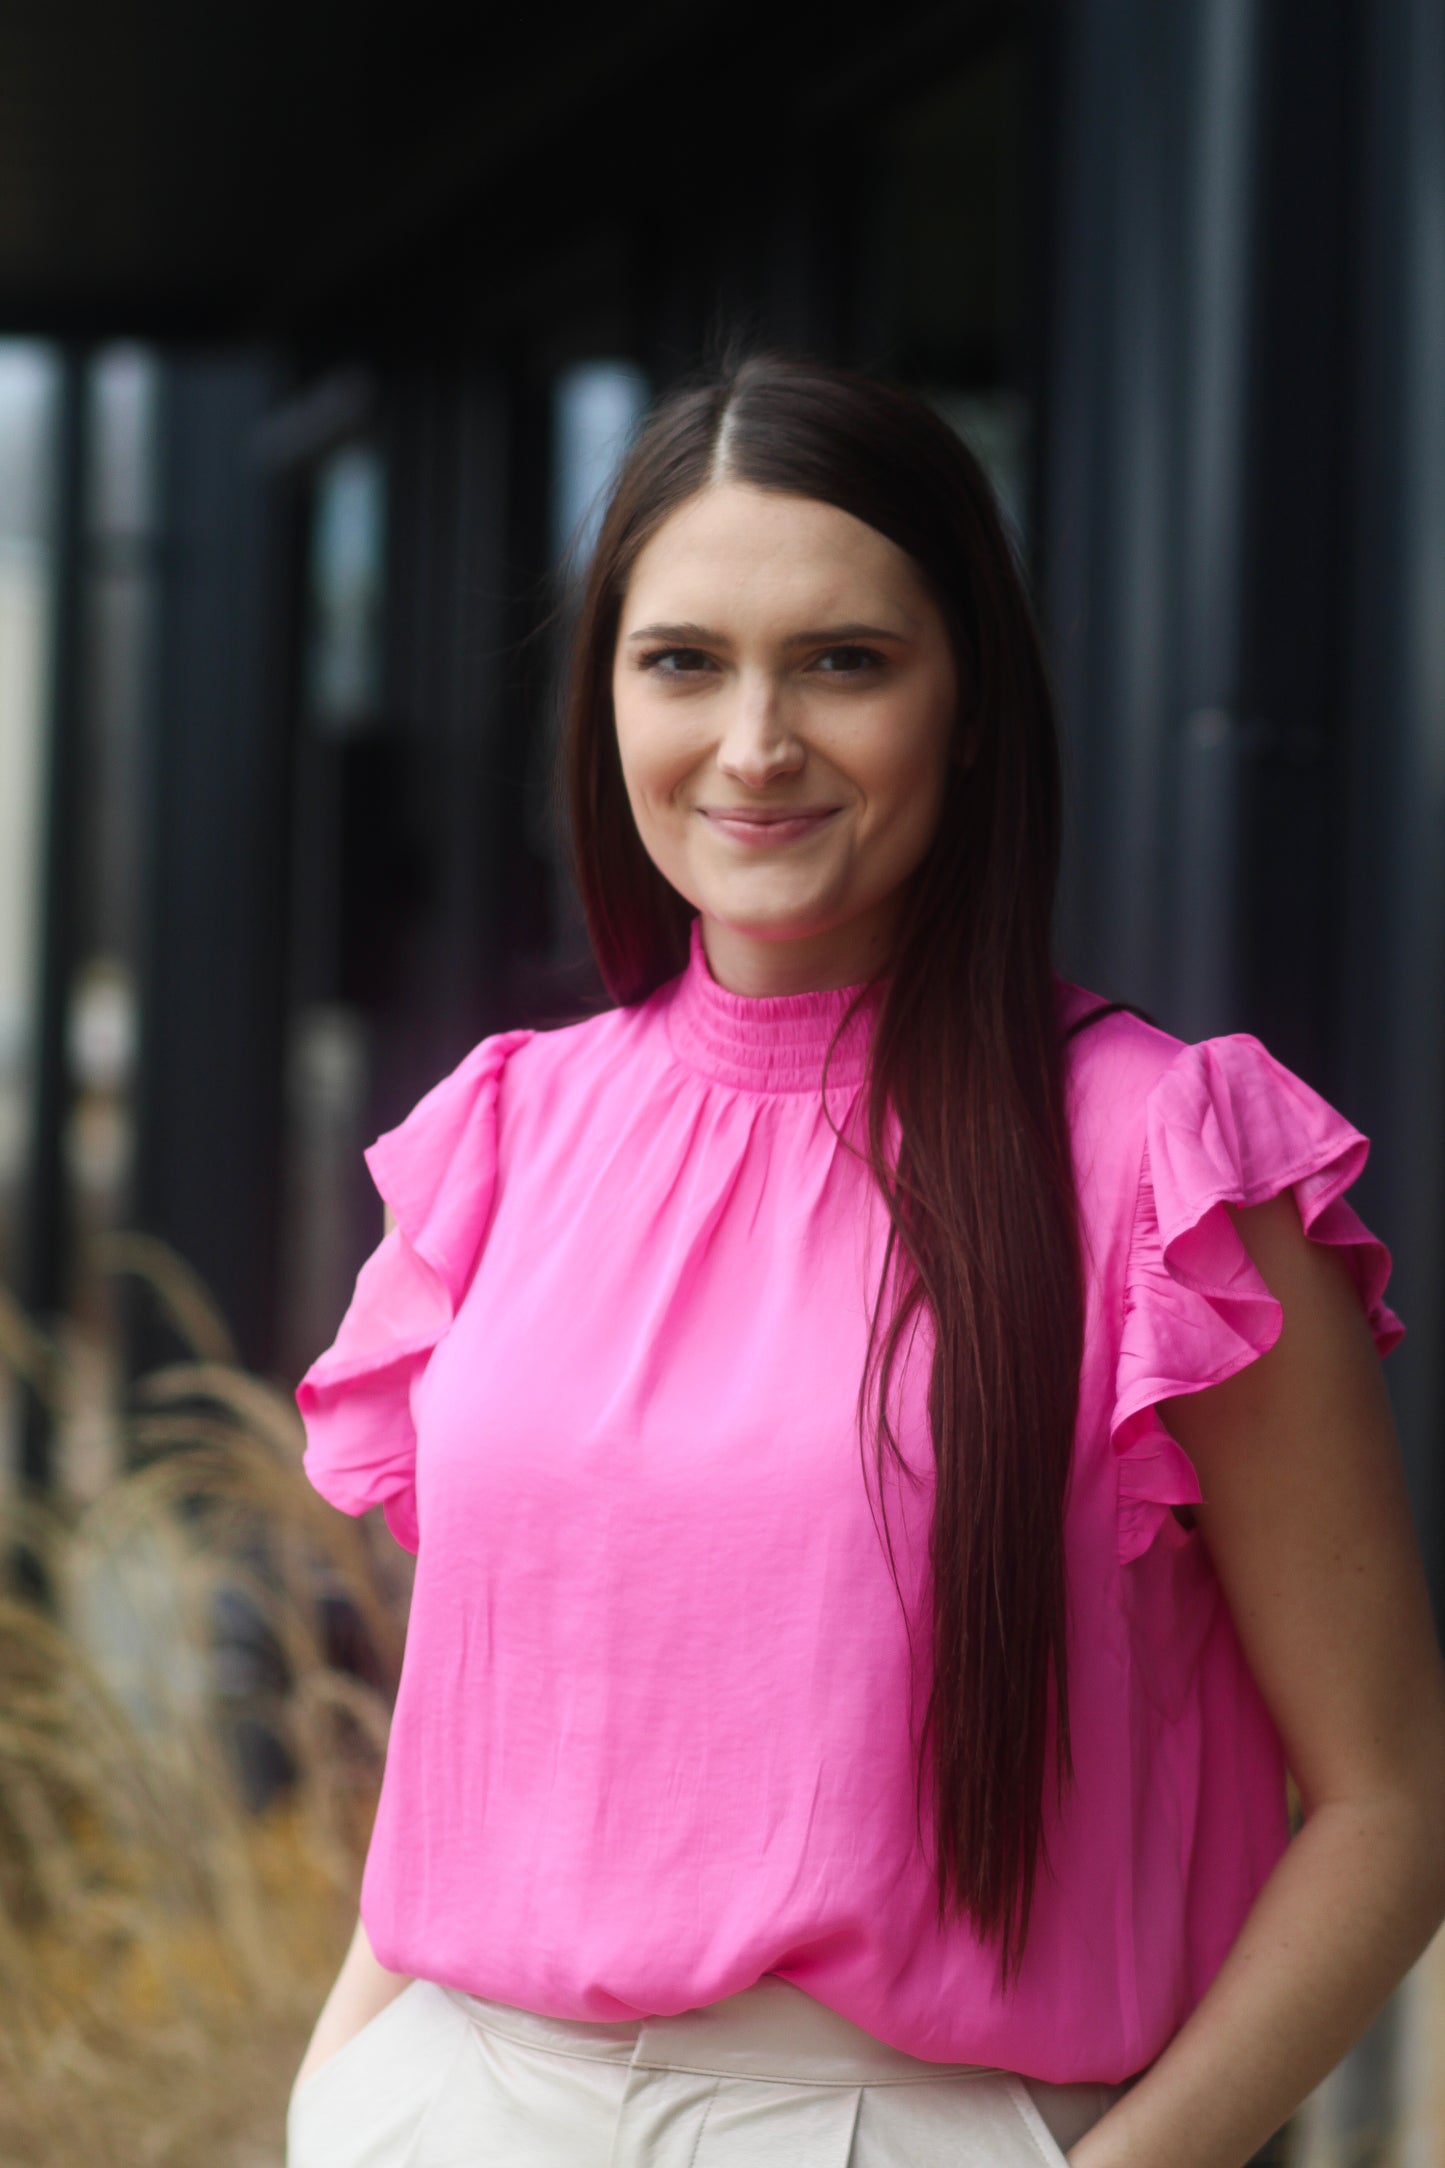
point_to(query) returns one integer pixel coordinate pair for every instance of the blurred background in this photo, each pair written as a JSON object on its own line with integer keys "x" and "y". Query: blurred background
{"x": 321, "y": 329}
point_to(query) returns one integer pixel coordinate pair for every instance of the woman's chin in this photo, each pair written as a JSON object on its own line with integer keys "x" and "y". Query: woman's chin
{"x": 775, "y": 925}
{"x": 772, "y": 908}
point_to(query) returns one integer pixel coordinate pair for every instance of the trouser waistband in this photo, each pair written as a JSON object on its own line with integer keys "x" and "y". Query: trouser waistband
{"x": 770, "y": 2030}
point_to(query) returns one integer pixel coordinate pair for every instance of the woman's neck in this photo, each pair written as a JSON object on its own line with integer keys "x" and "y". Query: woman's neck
{"x": 765, "y": 964}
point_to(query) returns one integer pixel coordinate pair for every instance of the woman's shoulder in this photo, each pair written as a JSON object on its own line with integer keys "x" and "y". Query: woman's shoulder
{"x": 521, "y": 1060}
{"x": 581, "y": 1053}
{"x": 1115, "y": 1057}
{"x": 1218, "y": 1115}
{"x": 556, "y": 1042}
{"x": 1228, "y": 1098}
{"x": 1169, "y": 1131}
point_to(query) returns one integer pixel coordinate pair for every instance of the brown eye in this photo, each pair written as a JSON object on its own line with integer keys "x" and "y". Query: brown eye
{"x": 675, "y": 661}
{"x": 848, "y": 661}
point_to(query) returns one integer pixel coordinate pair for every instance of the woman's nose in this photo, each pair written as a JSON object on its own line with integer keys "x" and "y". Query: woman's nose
{"x": 757, "y": 742}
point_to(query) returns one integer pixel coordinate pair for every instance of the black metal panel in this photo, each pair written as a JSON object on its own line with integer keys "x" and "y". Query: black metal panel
{"x": 1113, "y": 495}
{"x": 1297, "y": 522}
{"x": 1392, "y": 977}
{"x": 213, "y": 973}
{"x": 45, "y": 1245}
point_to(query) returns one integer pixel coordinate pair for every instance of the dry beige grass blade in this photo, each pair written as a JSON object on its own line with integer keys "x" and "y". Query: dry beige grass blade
{"x": 149, "y": 1435}
{"x": 33, "y": 1524}
{"x": 30, "y": 1353}
{"x": 183, "y": 1295}
{"x": 259, "y": 1407}
{"x": 244, "y": 1495}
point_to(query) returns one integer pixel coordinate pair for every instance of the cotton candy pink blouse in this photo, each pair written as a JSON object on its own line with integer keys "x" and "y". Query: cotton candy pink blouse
{"x": 651, "y": 1739}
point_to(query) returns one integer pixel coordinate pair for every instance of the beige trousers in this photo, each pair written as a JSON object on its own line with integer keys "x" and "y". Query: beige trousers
{"x": 768, "y": 2078}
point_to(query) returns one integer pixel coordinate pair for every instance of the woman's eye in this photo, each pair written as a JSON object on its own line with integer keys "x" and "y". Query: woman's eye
{"x": 675, "y": 661}
{"x": 842, "y": 661}
{"x": 848, "y": 661}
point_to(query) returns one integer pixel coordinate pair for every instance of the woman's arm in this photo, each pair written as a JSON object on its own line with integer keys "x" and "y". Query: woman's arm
{"x": 362, "y": 1988}
{"x": 1308, "y": 1525}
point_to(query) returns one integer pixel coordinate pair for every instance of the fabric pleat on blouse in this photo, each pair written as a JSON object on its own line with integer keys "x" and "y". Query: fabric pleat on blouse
{"x": 436, "y": 1173}
{"x": 1226, "y": 1124}
{"x": 653, "y": 1734}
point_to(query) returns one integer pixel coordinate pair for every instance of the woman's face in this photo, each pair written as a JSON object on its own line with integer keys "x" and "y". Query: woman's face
{"x": 785, "y": 692}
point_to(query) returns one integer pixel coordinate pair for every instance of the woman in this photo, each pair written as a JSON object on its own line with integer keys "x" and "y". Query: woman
{"x": 895, "y": 1446}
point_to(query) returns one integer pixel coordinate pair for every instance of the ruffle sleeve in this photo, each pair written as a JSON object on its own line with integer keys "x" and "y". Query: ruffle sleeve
{"x": 1226, "y": 1123}
{"x": 437, "y": 1171}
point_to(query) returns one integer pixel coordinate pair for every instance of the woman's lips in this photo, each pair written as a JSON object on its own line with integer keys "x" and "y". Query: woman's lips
{"x": 758, "y": 831}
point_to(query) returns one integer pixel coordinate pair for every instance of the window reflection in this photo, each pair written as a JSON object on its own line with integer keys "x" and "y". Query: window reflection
{"x": 346, "y": 591}
{"x": 596, "y": 406}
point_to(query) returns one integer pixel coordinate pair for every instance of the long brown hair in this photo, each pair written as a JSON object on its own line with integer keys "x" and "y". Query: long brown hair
{"x": 966, "y": 1061}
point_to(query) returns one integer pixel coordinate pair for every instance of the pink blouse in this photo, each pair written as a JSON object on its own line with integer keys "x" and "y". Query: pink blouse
{"x": 651, "y": 1736}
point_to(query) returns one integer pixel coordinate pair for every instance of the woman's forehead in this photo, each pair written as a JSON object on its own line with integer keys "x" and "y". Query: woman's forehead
{"x": 734, "y": 546}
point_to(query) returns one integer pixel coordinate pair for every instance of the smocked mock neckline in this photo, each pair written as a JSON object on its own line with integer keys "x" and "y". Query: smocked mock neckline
{"x": 766, "y": 1042}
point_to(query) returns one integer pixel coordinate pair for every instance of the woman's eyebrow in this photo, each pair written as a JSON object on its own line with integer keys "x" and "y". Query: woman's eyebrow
{"x": 836, "y": 634}
{"x": 692, "y": 635}
{"x": 703, "y": 635}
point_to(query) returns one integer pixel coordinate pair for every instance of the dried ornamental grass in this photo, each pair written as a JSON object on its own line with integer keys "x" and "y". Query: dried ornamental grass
{"x": 193, "y": 1719}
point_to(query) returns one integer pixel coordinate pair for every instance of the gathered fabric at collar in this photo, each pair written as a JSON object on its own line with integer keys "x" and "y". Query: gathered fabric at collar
{"x": 766, "y": 1042}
